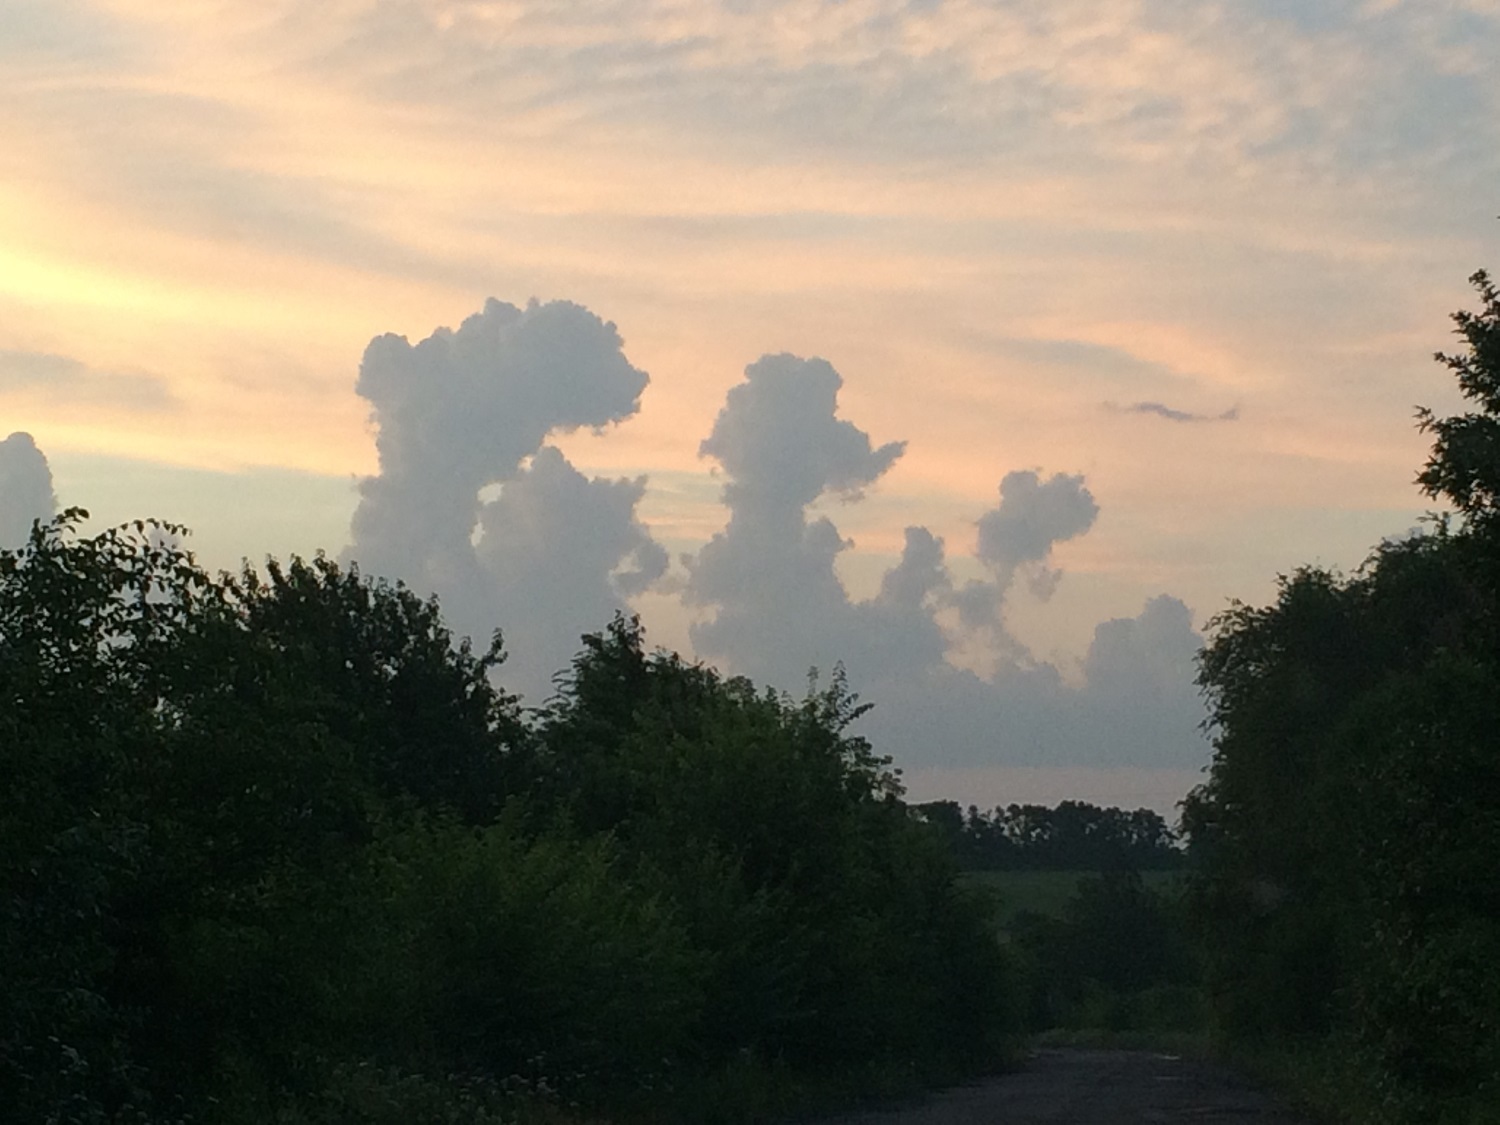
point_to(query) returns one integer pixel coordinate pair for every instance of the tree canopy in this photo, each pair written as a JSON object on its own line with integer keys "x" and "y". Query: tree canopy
{"x": 276, "y": 847}
{"x": 1350, "y": 820}
{"x": 1072, "y": 836}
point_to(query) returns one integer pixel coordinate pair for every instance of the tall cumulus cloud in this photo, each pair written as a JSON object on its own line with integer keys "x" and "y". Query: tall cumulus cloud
{"x": 25, "y": 489}
{"x": 768, "y": 579}
{"x": 773, "y": 604}
{"x": 472, "y": 504}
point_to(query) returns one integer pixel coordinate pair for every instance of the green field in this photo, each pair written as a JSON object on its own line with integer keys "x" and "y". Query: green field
{"x": 1045, "y": 892}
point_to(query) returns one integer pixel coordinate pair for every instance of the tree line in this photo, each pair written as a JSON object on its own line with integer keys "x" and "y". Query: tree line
{"x": 275, "y": 848}
{"x": 1348, "y": 831}
{"x": 1073, "y": 836}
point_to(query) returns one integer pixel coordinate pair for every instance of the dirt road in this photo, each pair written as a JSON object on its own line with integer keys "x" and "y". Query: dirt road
{"x": 1092, "y": 1087}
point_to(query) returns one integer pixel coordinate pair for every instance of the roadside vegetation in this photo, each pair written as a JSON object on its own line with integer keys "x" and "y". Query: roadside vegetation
{"x": 276, "y": 848}
{"x": 1331, "y": 920}
{"x": 1346, "y": 837}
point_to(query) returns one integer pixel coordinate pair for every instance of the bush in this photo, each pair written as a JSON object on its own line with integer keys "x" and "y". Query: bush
{"x": 1119, "y": 959}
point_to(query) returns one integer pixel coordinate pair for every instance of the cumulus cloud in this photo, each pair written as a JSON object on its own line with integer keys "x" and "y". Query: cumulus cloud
{"x": 25, "y": 489}
{"x": 1016, "y": 539}
{"x": 776, "y": 605}
{"x": 1033, "y": 516}
{"x": 471, "y": 503}
{"x": 1136, "y": 707}
{"x": 779, "y": 439}
{"x": 920, "y": 573}
{"x": 1149, "y": 656}
{"x": 769, "y": 578}
{"x": 552, "y": 529}
{"x": 1162, "y": 410}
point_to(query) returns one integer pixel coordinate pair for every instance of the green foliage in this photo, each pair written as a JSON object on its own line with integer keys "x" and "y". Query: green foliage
{"x": 1049, "y": 893}
{"x": 1348, "y": 828}
{"x": 368, "y": 667}
{"x": 1117, "y": 956}
{"x": 835, "y": 929}
{"x": 82, "y": 629}
{"x": 1426, "y": 998}
{"x": 518, "y": 957}
{"x": 1465, "y": 463}
{"x": 276, "y": 849}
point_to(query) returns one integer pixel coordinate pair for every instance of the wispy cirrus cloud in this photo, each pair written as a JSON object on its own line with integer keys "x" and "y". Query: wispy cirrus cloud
{"x": 1172, "y": 414}
{"x": 896, "y": 80}
{"x": 65, "y": 377}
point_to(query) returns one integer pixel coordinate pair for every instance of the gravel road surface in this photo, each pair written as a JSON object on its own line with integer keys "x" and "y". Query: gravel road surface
{"x": 1093, "y": 1087}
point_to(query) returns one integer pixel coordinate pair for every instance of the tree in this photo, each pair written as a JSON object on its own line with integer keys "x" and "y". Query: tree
{"x": 85, "y": 625}
{"x": 1464, "y": 467}
{"x": 187, "y": 760}
{"x": 834, "y": 928}
{"x": 1353, "y": 807}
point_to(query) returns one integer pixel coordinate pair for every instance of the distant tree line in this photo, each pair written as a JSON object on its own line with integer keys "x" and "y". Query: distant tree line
{"x": 1349, "y": 829}
{"x": 1073, "y": 836}
{"x": 274, "y": 848}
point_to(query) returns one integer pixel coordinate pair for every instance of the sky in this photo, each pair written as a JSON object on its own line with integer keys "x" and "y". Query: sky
{"x": 988, "y": 348}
